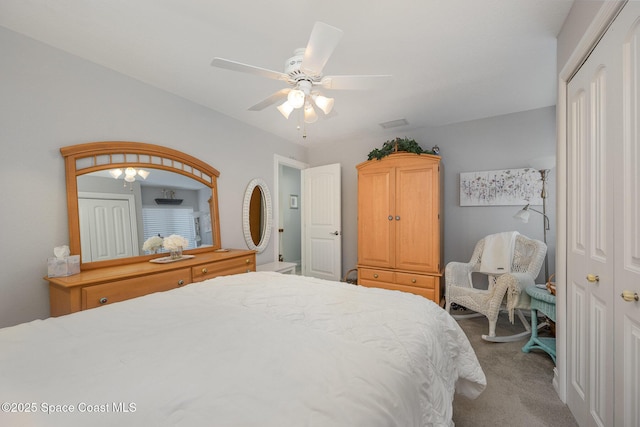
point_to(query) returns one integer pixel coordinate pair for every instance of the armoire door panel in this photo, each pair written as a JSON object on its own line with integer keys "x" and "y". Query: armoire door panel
{"x": 376, "y": 217}
{"x": 417, "y": 233}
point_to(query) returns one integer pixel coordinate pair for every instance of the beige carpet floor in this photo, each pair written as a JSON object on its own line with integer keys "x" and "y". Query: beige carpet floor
{"x": 519, "y": 391}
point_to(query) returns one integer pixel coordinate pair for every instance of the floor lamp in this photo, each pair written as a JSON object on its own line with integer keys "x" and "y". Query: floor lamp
{"x": 544, "y": 166}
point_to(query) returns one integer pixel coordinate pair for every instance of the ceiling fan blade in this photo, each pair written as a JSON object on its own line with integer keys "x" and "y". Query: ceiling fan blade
{"x": 356, "y": 82}
{"x": 250, "y": 69}
{"x": 279, "y": 95}
{"x": 323, "y": 40}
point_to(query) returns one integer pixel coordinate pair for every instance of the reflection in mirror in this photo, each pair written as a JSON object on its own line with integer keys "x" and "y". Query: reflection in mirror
{"x": 257, "y": 215}
{"x": 118, "y": 216}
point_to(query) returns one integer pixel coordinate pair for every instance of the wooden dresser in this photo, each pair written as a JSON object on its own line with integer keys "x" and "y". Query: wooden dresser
{"x": 399, "y": 224}
{"x": 101, "y": 286}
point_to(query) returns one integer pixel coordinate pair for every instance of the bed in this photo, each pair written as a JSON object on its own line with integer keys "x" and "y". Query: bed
{"x": 254, "y": 349}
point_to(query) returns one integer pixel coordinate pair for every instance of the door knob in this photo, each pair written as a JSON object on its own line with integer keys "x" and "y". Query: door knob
{"x": 592, "y": 278}
{"x": 398, "y": 218}
{"x": 390, "y": 218}
{"x": 335, "y": 233}
{"x": 629, "y": 296}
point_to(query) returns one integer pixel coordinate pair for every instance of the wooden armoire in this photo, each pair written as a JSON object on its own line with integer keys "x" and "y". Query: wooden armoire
{"x": 400, "y": 224}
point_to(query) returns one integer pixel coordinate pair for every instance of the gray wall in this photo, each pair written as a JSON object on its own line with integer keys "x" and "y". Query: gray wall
{"x": 580, "y": 17}
{"x": 503, "y": 142}
{"x": 50, "y": 99}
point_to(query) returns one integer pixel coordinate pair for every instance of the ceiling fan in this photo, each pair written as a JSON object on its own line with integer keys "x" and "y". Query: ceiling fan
{"x": 303, "y": 73}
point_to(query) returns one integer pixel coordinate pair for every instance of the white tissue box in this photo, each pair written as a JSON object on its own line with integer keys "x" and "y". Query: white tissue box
{"x": 63, "y": 267}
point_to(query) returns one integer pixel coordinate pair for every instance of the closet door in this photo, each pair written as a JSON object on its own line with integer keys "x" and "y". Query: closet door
{"x": 603, "y": 252}
{"x": 627, "y": 236}
{"x": 592, "y": 138}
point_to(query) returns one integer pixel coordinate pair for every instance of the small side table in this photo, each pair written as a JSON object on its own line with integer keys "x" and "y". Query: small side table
{"x": 543, "y": 301}
{"x": 280, "y": 267}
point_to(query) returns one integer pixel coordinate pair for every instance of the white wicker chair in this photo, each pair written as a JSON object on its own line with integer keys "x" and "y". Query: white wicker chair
{"x": 528, "y": 256}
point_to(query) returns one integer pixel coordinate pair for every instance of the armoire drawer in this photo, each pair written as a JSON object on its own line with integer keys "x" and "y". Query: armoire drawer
{"x": 373, "y": 275}
{"x": 223, "y": 268}
{"x": 121, "y": 290}
{"x": 419, "y": 280}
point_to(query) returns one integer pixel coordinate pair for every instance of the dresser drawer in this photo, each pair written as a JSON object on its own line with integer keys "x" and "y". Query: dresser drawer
{"x": 223, "y": 268}
{"x": 95, "y": 296}
{"x": 419, "y": 280}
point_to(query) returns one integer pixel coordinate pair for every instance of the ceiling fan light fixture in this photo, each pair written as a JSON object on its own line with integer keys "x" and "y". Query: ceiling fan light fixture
{"x": 143, "y": 173}
{"x": 115, "y": 173}
{"x": 310, "y": 115}
{"x": 324, "y": 103}
{"x": 296, "y": 98}
{"x": 285, "y": 109}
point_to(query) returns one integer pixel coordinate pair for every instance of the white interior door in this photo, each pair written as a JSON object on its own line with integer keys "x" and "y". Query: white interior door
{"x": 321, "y": 224}
{"x": 627, "y": 232}
{"x": 603, "y": 250}
{"x": 108, "y": 229}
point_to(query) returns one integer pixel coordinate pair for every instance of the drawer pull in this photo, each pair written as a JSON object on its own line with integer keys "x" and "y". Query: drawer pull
{"x": 103, "y": 300}
{"x": 205, "y": 271}
{"x": 413, "y": 280}
{"x": 375, "y": 276}
{"x": 180, "y": 282}
{"x": 248, "y": 261}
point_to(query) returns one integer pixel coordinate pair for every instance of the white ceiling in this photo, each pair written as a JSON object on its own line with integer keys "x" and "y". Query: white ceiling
{"x": 451, "y": 60}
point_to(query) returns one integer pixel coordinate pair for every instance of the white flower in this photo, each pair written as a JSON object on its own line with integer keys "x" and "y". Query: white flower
{"x": 174, "y": 242}
{"x": 153, "y": 243}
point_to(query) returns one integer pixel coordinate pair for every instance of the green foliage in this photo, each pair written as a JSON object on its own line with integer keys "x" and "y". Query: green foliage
{"x": 396, "y": 145}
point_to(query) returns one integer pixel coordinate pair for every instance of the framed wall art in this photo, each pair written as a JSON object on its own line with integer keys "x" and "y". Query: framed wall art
{"x": 293, "y": 201}
{"x": 501, "y": 187}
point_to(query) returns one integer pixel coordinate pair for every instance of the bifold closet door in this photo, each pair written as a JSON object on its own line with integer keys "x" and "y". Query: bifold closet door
{"x": 603, "y": 330}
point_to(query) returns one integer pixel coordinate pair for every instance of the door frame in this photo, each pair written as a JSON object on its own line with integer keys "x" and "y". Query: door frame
{"x": 599, "y": 25}
{"x": 279, "y": 160}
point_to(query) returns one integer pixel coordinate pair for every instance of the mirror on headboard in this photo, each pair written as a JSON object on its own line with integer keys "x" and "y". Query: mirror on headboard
{"x": 257, "y": 215}
{"x": 164, "y": 192}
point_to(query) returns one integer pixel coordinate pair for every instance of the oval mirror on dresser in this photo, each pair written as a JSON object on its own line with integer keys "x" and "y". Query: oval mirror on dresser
{"x": 257, "y": 215}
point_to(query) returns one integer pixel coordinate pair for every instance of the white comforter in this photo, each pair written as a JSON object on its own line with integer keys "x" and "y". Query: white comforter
{"x": 256, "y": 349}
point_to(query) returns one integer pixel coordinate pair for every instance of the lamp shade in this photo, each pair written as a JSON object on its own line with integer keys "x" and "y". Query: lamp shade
{"x": 285, "y": 109}
{"x": 115, "y": 173}
{"x": 296, "y": 98}
{"x": 523, "y": 214}
{"x": 543, "y": 163}
{"x": 310, "y": 115}
{"x": 324, "y": 103}
{"x": 143, "y": 173}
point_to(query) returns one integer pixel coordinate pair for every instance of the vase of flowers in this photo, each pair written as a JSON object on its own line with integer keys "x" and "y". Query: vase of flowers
{"x": 152, "y": 244}
{"x": 174, "y": 244}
